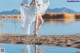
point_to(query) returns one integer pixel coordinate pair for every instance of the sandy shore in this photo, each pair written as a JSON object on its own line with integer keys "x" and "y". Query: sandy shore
{"x": 62, "y": 41}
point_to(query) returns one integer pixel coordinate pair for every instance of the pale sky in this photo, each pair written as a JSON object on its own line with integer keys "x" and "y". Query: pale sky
{"x": 7, "y": 5}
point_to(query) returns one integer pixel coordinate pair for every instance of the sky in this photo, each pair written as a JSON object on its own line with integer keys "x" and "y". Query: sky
{"x": 8, "y": 5}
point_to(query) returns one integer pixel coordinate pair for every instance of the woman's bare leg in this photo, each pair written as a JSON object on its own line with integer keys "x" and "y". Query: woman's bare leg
{"x": 35, "y": 48}
{"x": 40, "y": 22}
{"x": 36, "y": 26}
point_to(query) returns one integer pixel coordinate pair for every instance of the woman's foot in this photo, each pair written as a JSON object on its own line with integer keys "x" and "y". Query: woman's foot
{"x": 27, "y": 34}
{"x": 35, "y": 34}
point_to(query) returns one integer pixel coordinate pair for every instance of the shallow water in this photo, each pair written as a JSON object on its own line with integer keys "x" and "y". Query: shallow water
{"x": 13, "y": 27}
{"x": 9, "y": 48}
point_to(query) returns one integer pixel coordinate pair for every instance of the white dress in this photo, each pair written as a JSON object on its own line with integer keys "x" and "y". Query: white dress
{"x": 41, "y": 7}
{"x": 28, "y": 13}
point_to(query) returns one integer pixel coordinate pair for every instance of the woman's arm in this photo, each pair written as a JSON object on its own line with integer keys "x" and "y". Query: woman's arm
{"x": 24, "y": 4}
{"x": 33, "y": 1}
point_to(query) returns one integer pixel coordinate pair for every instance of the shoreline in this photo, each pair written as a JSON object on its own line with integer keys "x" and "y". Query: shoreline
{"x": 62, "y": 41}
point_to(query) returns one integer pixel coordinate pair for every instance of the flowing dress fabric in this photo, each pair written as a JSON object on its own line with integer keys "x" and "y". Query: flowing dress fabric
{"x": 27, "y": 17}
{"x": 44, "y": 7}
{"x": 29, "y": 13}
{"x": 24, "y": 23}
{"x": 41, "y": 7}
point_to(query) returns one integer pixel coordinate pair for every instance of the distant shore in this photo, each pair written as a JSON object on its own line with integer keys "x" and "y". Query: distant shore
{"x": 49, "y": 17}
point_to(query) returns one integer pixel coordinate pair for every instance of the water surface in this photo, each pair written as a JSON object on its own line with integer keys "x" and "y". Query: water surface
{"x": 14, "y": 27}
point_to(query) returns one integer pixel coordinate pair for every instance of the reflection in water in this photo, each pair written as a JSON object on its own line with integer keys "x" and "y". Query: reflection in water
{"x": 35, "y": 49}
{"x": 78, "y": 51}
{"x": 2, "y": 26}
{"x": 17, "y": 48}
{"x": 24, "y": 50}
{"x": 15, "y": 21}
{"x": 38, "y": 50}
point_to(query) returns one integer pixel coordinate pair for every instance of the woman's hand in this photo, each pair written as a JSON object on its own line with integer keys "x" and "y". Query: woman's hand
{"x": 22, "y": 4}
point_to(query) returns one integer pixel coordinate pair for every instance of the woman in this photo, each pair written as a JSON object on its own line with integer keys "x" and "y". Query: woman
{"x": 33, "y": 12}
